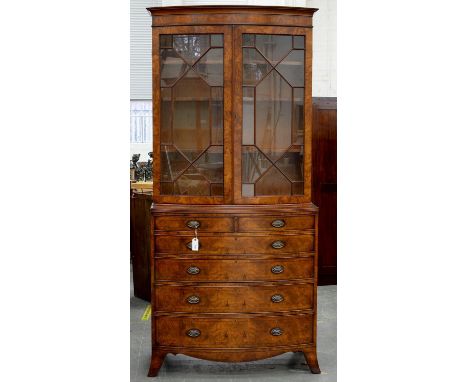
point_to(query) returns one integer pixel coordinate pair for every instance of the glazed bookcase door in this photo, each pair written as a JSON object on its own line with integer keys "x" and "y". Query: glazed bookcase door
{"x": 192, "y": 114}
{"x": 272, "y": 109}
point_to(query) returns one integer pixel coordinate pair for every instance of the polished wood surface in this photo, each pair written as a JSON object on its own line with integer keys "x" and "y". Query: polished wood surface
{"x": 249, "y": 291}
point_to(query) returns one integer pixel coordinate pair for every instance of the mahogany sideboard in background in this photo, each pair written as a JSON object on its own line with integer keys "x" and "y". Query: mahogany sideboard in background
{"x": 324, "y": 184}
{"x": 324, "y": 196}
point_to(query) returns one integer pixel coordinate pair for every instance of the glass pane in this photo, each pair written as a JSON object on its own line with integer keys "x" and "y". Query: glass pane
{"x": 191, "y": 127}
{"x": 217, "y": 189}
{"x": 273, "y": 116}
{"x": 210, "y": 67}
{"x": 165, "y": 41}
{"x": 173, "y": 163}
{"x": 298, "y": 42}
{"x": 192, "y": 183}
{"x": 254, "y": 164}
{"x": 167, "y": 188}
{"x": 248, "y": 40}
{"x": 273, "y": 47}
{"x": 298, "y": 117}
{"x": 217, "y": 40}
{"x": 248, "y": 189}
{"x": 298, "y": 188}
{"x": 255, "y": 66}
{"x": 191, "y": 47}
{"x": 172, "y": 67}
{"x": 273, "y": 183}
{"x": 210, "y": 164}
{"x": 291, "y": 163}
{"x": 217, "y": 116}
{"x": 165, "y": 129}
{"x": 292, "y": 68}
{"x": 248, "y": 116}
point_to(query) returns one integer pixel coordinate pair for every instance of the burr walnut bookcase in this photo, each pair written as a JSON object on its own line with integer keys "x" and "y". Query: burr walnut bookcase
{"x": 232, "y": 104}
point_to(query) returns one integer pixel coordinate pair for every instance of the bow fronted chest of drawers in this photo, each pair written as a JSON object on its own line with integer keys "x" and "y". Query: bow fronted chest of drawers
{"x": 234, "y": 265}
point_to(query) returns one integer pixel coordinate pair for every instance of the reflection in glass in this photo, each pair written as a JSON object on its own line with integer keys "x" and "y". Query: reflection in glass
{"x": 248, "y": 40}
{"x": 291, "y": 163}
{"x": 254, "y": 66}
{"x": 167, "y": 188}
{"x": 217, "y": 40}
{"x": 172, "y": 67}
{"x": 173, "y": 163}
{"x": 248, "y": 116}
{"x": 273, "y": 116}
{"x": 191, "y": 47}
{"x": 254, "y": 164}
{"x": 248, "y": 189}
{"x": 273, "y": 47}
{"x": 298, "y": 42}
{"x": 210, "y": 164}
{"x": 191, "y": 125}
{"x": 298, "y": 117}
{"x": 210, "y": 67}
{"x": 298, "y": 188}
{"x": 217, "y": 116}
{"x": 192, "y": 183}
{"x": 273, "y": 183}
{"x": 292, "y": 68}
{"x": 165, "y": 128}
{"x": 165, "y": 41}
{"x": 217, "y": 189}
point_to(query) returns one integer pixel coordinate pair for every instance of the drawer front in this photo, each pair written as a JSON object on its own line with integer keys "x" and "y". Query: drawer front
{"x": 234, "y": 332}
{"x": 203, "y": 224}
{"x": 236, "y": 244}
{"x": 276, "y": 223}
{"x": 233, "y": 270}
{"x": 233, "y": 298}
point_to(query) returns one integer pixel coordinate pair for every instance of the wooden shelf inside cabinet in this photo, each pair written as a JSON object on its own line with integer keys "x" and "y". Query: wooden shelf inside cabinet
{"x": 232, "y": 213}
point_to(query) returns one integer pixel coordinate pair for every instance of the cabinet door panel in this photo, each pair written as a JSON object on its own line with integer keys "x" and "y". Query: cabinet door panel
{"x": 192, "y": 88}
{"x": 272, "y": 94}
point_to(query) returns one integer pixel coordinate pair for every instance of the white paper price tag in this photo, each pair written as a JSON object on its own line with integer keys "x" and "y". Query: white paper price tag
{"x": 194, "y": 244}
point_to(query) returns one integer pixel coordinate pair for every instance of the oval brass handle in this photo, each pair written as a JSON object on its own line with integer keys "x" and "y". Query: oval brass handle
{"x": 193, "y": 333}
{"x": 278, "y": 223}
{"x": 276, "y": 331}
{"x": 278, "y": 244}
{"x": 277, "y": 298}
{"x": 193, "y": 270}
{"x": 277, "y": 269}
{"x": 193, "y": 224}
{"x": 193, "y": 299}
{"x": 189, "y": 245}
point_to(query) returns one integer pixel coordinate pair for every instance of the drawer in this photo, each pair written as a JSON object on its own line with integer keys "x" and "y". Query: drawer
{"x": 236, "y": 244}
{"x": 224, "y": 332}
{"x": 233, "y": 270}
{"x": 203, "y": 224}
{"x": 233, "y": 298}
{"x": 276, "y": 223}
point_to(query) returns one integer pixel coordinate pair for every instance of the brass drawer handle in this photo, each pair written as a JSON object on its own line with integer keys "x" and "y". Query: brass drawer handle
{"x": 277, "y": 298}
{"x": 193, "y": 299}
{"x": 193, "y": 333}
{"x": 193, "y": 270}
{"x": 193, "y": 224}
{"x": 277, "y": 269}
{"x": 278, "y": 244}
{"x": 189, "y": 245}
{"x": 278, "y": 223}
{"x": 276, "y": 331}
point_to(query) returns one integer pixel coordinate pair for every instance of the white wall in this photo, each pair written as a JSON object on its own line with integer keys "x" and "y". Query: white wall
{"x": 324, "y": 53}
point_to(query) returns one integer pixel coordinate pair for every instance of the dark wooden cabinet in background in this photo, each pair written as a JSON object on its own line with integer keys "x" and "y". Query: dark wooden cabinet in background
{"x": 234, "y": 250}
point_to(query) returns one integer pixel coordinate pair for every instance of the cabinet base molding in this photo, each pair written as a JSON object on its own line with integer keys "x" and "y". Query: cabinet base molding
{"x": 233, "y": 355}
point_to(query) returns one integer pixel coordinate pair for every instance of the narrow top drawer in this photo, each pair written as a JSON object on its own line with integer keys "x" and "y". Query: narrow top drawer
{"x": 276, "y": 223}
{"x": 202, "y": 224}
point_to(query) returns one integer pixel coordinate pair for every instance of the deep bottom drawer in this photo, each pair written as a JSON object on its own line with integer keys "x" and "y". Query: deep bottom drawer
{"x": 234, "y": 332}
{"x": 233, "y": 298}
